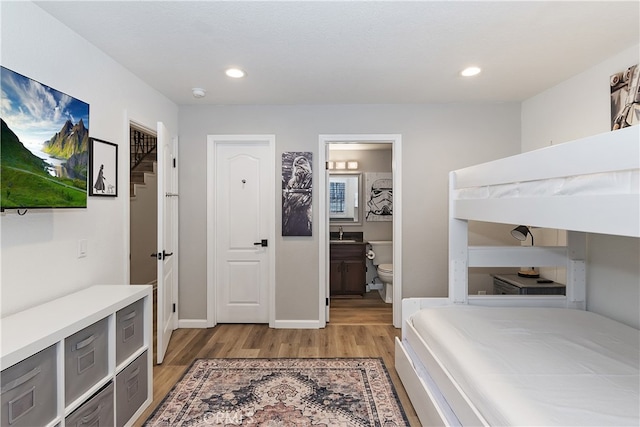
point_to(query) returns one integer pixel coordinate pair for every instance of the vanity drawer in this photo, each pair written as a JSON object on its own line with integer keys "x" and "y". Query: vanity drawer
{"x": 129, "y": 330}
{"x": 29, "y": 391}
{"x": 131, "y": 389}
{"x": 97, "y": 411}
{"x": 344, "y": 251}
{"x": 85, "y": 359}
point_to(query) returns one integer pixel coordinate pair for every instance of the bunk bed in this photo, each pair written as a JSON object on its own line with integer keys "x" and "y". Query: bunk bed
{"x": 529, "y": 360}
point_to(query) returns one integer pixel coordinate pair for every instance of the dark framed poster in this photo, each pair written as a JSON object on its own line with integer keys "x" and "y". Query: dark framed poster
{"x": 103, "y": 168}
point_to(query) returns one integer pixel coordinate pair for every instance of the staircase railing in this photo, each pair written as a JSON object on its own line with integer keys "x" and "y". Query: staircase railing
{"x": 142, "y": 144}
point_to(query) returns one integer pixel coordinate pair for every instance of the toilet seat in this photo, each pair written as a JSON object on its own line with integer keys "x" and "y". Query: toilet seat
{"x": 385, "y": 268}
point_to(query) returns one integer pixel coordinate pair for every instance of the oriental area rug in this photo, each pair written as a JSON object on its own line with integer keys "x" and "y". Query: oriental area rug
{"x": 282, "y": 393}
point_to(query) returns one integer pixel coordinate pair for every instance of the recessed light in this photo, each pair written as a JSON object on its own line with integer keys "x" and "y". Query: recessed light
{"x": 470, "y": 71}
{"x": 236, "y": 73}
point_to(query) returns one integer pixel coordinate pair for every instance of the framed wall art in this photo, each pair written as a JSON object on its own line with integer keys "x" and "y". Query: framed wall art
{"x": 297, "y": 195}
{"x": 379, "y": 197}
{"x": 103, "y": 168}
{"x": 625, "y": 98}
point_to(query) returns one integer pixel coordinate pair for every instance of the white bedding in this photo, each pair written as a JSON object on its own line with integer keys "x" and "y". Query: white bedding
{"x": 538, "y": 366}
{"x": 618, "y": 182}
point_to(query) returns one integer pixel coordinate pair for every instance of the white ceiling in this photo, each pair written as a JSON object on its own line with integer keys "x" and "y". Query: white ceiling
{"x": 353, "y": 52}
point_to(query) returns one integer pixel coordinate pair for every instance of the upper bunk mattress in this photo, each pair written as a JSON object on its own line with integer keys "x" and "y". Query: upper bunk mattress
{"x": 538, "y": 366}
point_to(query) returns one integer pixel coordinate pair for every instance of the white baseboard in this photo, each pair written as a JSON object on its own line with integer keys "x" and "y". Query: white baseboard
{"x": 192, "y": 323}
{"x": 278, "y": 324}
{"x": 296, "y": 324}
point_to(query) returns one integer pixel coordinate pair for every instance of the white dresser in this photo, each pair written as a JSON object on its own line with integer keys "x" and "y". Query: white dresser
{"x": 83, "y": 359}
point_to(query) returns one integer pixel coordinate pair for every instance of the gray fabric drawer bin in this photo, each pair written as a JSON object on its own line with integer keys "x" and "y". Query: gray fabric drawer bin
{"x": 129, "y": 330}
{"x": 86, "y": 359}
{"x": 29, "y": 391}
{"x": 97, "y": 411}
{"x": 131, "y": 389}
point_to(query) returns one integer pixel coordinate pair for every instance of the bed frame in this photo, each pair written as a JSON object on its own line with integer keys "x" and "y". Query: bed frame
{"x": 610, "y": 209}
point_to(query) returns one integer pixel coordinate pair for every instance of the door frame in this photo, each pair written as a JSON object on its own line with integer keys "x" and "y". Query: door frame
{"x": 396, "y": 166}
{"x": 212, "y": 142}
{"x": 129, "y": 120}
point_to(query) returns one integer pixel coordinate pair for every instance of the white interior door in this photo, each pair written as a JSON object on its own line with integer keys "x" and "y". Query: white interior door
{"x": 167, "y": 239}
{"x": 244, "y": 191}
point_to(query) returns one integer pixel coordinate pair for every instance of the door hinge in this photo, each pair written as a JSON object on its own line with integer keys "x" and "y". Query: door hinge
{"x": 174, "y": 307}
{"x": 174, "y": 162}
{"x": 326, "y": 165}
{"x": 327, "y": 302}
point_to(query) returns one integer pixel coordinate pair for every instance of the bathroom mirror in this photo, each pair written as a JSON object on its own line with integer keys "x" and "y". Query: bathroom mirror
{"x": 344, "y": 198}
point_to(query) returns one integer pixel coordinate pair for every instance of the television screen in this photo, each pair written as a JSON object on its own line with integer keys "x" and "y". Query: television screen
{"x": 45, "y": 141}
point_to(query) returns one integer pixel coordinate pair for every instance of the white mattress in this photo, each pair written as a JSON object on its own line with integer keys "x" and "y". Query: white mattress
{"x": 618, "y": 182}
{"x": 538, "y": 366}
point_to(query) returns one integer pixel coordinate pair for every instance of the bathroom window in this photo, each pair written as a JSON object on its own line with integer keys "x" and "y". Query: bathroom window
{"x": 336, "y": 197}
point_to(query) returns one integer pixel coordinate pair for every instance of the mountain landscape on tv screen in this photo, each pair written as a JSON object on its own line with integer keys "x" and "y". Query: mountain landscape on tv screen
{"x": 44, "y": 151}
{"x": 30, "y": 181}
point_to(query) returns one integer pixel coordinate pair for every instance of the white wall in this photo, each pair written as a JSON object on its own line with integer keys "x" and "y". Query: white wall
{"x": 39, "y": 250}
{"x": 435, "y": 140}
{"x": 573, "y": 109}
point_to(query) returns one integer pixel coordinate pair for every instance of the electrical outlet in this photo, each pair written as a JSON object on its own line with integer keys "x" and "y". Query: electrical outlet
{"x": 482, "y": 292}
{"x": 82, "y": 248}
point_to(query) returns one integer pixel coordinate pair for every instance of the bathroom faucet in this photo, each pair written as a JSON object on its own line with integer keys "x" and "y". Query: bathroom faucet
{"x": 341, "y": 232}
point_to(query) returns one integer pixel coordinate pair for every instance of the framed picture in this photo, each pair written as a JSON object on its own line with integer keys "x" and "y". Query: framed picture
{"x": 379, "y": 197}
{"x": 297, "y": 193}
{"x": 103, "y": 168}
{"x": 625, "y": 98}
{"x": 45, "y": 138}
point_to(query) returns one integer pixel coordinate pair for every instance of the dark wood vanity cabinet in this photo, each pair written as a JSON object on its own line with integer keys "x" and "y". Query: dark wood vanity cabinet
{"x": 348, "y": 271}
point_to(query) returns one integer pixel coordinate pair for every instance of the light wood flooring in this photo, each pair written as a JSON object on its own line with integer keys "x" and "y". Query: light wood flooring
{"x": 359, "y": 327}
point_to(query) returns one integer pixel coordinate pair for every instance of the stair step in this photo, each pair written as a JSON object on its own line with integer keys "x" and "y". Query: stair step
{"x": 137, "y": 174}
{"x": 145, "y": 166}
{"x": 151, "y": 156}
{"x": 137, "y": 177}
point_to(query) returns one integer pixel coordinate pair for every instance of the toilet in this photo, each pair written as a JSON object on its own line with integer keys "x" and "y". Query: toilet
{"x": 382, "y": 256}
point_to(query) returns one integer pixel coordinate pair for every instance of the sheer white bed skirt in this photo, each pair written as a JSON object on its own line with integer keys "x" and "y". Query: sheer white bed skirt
{"x": 512, "y": 366}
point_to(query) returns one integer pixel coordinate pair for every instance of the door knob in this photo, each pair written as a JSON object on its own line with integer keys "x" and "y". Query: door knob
{"x": 262, "y": 243}
{"x": 161, "y": 256}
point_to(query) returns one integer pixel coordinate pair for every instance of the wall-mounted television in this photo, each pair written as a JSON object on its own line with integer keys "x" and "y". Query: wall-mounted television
{"x": 45, "y": 145}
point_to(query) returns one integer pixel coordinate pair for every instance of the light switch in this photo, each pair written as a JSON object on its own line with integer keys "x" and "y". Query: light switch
{"x": 82, "y": 248}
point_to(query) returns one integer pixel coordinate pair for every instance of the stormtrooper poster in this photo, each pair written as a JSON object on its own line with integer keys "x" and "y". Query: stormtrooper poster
{"x": 296, "y": 193}
{"x": 625, "y": 98}
{"x": 379, "y": 197}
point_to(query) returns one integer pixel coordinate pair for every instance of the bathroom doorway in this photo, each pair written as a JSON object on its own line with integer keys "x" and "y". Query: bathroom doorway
{"x": 355, "y": 161}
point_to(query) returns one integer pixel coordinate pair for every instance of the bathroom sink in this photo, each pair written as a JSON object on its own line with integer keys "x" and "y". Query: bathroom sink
{"x": 347, "y": 237}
